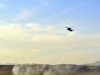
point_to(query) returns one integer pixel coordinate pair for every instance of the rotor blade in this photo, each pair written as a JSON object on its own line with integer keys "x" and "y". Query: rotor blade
{"x": 66, "y": 27}
{"x": 73, "y": 26}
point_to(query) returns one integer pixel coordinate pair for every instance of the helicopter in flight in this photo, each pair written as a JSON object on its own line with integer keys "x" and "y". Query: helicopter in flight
{"x": 69, "y": 29}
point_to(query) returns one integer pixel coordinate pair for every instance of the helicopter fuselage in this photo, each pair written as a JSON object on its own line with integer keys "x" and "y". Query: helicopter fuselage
{"x": 70, "y": 29}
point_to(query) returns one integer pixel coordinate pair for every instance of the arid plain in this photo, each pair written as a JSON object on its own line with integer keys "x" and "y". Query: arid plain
{"x": 82, "y": 70}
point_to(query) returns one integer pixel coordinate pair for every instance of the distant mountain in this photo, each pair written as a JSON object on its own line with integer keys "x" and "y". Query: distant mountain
{"x": 97, "y": 63}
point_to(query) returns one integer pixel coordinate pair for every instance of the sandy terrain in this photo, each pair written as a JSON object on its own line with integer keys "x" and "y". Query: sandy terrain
{"x": 7, "y": 70}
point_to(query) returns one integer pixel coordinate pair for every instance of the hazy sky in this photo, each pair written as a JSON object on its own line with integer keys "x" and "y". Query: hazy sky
{"x": 33, "y": 31}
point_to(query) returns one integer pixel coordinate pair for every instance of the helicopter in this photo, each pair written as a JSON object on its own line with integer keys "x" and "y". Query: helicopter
{"x": 70, "y": 29}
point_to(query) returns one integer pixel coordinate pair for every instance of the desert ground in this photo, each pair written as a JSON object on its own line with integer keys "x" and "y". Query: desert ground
{"x": 6, "y": 69}
{"x": 87, "y": 70}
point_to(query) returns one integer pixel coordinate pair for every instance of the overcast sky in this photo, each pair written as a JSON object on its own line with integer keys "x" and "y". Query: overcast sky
{"x": 33, "y": 31}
